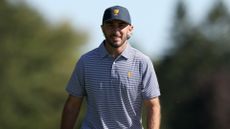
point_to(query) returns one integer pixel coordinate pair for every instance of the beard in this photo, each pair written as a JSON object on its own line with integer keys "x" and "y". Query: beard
{"x": 116, "y": 43}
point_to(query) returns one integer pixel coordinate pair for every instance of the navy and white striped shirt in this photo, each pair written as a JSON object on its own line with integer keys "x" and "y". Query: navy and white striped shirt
{"x": 114, "y": 88}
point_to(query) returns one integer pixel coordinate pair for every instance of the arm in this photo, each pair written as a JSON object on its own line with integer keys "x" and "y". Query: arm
{"x": 153, "y": 113}
{"x": 70, "y": 112}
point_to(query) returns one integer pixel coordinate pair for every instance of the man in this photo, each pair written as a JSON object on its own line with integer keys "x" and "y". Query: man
{"x": 115, "y": 79}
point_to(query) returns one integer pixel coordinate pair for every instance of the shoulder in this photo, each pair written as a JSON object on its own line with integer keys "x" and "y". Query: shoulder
{"x": 143, "y": 61}
{"x": 140, "y": 56}
{"x": 90, "y": 54}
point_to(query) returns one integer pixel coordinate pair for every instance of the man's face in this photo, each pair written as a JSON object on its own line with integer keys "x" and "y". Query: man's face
{"x": 116, "y": 32}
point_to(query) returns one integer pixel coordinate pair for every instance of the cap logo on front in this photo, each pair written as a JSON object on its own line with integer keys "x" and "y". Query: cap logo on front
{"x": 116, "y": 12}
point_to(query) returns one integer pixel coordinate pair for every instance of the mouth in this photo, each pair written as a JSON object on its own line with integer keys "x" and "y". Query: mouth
{"x": 116, "y": 37}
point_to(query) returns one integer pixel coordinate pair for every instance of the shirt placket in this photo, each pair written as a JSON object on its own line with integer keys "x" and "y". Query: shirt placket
{"x": 114, "y": 73}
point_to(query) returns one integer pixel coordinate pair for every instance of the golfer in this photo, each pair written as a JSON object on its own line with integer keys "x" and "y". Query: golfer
{"x": 116, "y": 80}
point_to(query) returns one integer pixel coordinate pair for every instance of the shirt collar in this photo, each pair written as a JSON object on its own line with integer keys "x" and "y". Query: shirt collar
{"x": 127, "y": 53}
{"x": 102, "y": 50}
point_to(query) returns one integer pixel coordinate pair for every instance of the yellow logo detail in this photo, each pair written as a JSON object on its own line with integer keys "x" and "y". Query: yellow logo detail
{"x": 116, "y": 12}
{"x": 130, "y": 74}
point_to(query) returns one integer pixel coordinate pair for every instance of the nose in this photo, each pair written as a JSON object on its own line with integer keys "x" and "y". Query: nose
{"x": 116, "y": 29}
{"x": 116, "y": 32}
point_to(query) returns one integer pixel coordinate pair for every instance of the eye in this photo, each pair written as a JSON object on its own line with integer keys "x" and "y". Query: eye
{"x": 118, "y": 25}
{"x": 122, "y": 25}
{"x": 109, "y": 24}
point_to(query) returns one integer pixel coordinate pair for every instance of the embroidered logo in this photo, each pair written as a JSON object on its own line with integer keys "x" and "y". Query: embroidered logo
{"x": 116, "y": 12}
{"x": 130, "y": 74}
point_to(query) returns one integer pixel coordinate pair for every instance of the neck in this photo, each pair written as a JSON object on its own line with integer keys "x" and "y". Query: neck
{"x": 115, "y": 52}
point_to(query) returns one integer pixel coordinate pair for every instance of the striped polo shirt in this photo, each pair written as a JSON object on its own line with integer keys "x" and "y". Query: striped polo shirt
{"x": 114, "y": 88}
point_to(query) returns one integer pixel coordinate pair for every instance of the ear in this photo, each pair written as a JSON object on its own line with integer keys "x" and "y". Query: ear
{"x": 102, "y": 28}
{"x": 130, "y": 29}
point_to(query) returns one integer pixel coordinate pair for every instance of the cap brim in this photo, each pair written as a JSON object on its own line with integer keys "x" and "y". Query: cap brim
{"x": 117, "y": 20}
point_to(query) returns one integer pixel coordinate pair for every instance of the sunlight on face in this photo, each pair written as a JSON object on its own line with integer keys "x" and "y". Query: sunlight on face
{"x": 116, "y": 32}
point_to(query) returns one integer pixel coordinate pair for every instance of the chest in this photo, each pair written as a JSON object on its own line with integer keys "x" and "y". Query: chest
{"x": 113, "y": 77}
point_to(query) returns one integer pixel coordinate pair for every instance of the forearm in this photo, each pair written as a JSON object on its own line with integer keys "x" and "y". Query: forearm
{"x": 153, "y": 118}
{"x": 153, "y": 113}
{"x": 70, "y": 113}
{"x": 69, "y": 117}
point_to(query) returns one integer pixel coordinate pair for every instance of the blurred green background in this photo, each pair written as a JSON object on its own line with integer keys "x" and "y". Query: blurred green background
{"x": 38, "y": 58}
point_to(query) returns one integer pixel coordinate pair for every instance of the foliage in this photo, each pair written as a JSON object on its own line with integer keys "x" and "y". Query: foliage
{"x": 36, "y": 62}
{"x": 194, "y": 76}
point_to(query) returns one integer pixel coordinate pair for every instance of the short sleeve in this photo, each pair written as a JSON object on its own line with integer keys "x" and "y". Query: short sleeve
{"x": 150, "y": 84}
{"x": 76, "y": 83}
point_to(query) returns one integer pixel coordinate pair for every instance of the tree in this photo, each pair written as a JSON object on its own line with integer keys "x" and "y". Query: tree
{"x": 194, "y": 76}
{"x": 36, "y": 62}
